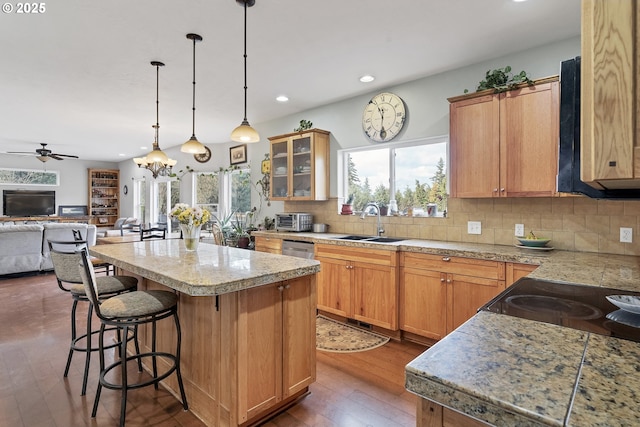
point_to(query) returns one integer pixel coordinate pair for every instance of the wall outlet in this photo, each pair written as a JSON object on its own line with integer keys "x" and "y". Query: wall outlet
{"x": 626, "y": 235}
{"x": 474, "y": 227}
{"x": 519, "y": 230}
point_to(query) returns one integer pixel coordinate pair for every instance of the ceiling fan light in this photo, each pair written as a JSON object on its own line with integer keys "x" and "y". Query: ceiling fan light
{"x": 193, "y": 146}
{"x": 245, "y": 133}
{"x": 43, "y": 159}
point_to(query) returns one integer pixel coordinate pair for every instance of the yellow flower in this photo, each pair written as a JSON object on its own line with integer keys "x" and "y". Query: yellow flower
{"x": 192, "y": 215}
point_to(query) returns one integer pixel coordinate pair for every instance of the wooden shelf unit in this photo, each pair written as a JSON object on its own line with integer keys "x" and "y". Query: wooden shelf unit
{"x": 104, "y": 194}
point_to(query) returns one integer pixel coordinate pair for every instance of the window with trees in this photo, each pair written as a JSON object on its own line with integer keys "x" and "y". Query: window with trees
{"x": 414, "y": 174}
{"x": 224, "y": 192}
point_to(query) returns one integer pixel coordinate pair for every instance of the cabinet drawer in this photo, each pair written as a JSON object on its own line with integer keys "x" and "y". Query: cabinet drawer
{"x": 458, "y": 265}
{"x": 372, "y": 256}
{"x": 268, "y": 244}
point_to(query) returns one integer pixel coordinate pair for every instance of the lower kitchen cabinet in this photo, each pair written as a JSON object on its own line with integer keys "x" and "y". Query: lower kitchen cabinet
{"x": 440, "y": 293}
{"x": 359, "y": 283}
{"x": 271, "y": 245}
{"x": 430, "y": 414}
{"x": 276, "y": 320}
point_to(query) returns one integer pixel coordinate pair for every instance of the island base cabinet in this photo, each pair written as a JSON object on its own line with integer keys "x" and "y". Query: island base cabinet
{"x": 245, "y": 355}
{"x": 430, "y": 414}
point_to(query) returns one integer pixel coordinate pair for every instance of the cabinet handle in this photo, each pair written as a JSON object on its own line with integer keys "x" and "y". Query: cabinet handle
{"x": 281, "y": 288}
{"x": 448, "y": 280}
{"x": 446, "y": 258}
{"x": 495, "y": 190}
{"x": 502, "y": 190}
{"x": 442, "y": 280}
{"x": 287, "y": 287}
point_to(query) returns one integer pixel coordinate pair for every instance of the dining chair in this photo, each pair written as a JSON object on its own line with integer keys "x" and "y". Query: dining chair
{"x": 153, "y": 233}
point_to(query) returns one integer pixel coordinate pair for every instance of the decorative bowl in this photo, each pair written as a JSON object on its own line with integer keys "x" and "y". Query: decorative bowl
{"x": 534, "y": 243}
{"x": 630, "y": 303}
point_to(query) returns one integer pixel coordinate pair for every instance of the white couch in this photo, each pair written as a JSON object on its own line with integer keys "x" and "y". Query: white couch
{"x": 24, "y": 248}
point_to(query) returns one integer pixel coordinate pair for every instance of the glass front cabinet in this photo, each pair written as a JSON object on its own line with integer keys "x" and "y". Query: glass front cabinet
{"x": 300, "y": 165}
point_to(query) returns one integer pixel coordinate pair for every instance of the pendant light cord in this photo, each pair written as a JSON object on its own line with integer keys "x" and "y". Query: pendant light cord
{"x": 245, "y": 60}
{"x": 193, "y": 108}
{"x": 157, "y": 126}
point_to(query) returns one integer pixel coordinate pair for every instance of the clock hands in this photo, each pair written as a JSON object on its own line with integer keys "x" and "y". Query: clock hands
{"x": 383, "y": 132}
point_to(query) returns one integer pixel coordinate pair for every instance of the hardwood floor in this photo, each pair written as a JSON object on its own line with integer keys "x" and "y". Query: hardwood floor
{"x": 354, "y": 389}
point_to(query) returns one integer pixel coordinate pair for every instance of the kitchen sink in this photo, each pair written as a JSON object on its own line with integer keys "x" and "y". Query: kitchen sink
{"x": 370, "y": 239}
{"x": 384, "y": 239}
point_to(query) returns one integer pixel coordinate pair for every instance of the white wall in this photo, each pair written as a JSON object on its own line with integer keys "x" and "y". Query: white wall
{"x": 427, "y": 115}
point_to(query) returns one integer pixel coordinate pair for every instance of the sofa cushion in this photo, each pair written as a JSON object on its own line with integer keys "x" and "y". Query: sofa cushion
{"x": 20, "y": 248}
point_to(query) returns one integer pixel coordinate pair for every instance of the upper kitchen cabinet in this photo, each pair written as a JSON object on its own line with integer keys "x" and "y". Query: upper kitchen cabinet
{"x": 300, "y": 165}
{"x": 505, "y": 144}
{"x": 610, "y": 102}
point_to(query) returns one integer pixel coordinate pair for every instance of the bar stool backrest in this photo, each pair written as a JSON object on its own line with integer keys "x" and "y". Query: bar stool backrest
{"x": 83, "y": 263}
{"x": 65, "y": 261}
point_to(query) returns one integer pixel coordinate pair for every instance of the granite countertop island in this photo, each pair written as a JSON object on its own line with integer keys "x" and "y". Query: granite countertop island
{"x": 211, "y": 270}
{"x": 508, "y": 371}
{"x": 248, "y": 322}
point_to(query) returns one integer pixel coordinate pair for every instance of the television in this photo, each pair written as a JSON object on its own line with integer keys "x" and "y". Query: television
{"x": 28, "y": 203}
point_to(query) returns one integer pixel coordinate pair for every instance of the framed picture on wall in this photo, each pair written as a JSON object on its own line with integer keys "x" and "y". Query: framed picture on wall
{"x": 238, "y": 154}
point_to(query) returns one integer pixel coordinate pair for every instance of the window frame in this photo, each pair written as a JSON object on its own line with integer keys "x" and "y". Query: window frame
{"x": 343, "y": 164}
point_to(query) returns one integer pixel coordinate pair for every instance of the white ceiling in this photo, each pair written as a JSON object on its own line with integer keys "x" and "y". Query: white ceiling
{"x": 78, "y": 76}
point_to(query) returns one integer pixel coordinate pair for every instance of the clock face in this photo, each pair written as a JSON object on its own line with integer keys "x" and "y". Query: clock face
{"x": 204, "y": 157}
{"x": 383, "y": 117}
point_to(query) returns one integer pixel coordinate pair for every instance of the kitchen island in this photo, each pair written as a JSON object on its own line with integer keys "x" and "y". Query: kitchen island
{"x": 247, "y": 320}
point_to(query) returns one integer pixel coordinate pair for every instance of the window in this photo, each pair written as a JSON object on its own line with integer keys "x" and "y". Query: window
{"x": 166, "y": 195}
{"x": 223, "y": 192}
{"x": 29, "y": 177}
{"x": 414, "y": 172}
{"x": 139, "y": 199}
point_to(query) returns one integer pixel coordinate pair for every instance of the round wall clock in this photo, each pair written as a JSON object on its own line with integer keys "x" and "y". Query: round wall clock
{"x": 383, "y": 117}
{"x": 204, "y": 157}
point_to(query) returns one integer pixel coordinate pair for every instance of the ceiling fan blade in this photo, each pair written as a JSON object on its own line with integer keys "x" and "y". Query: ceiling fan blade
{"x": 21, "y": 152}
{"x": 63, "y": 155}
{"x": 54, "y": 156}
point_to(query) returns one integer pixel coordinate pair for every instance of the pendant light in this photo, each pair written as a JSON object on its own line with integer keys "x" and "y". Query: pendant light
{"x": 244, "y": 132}
{"x": 156, "y": 161}
{"x": 193, "y": 146}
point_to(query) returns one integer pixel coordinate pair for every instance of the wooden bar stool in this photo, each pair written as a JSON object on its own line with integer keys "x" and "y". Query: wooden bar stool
{"x": 126, "y": 312}
{"x": 66, "y": 267}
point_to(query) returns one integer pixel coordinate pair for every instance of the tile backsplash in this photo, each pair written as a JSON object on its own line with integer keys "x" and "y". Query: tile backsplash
{"x": 573, "y": 223}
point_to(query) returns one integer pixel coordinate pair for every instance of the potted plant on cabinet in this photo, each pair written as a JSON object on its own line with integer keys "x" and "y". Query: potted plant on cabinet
{"x": 346, "y": 206}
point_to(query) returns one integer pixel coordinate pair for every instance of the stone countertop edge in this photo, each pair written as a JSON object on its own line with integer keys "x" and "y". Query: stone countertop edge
{"x": 212, "y": 274}
{"x": 585, "y": 268}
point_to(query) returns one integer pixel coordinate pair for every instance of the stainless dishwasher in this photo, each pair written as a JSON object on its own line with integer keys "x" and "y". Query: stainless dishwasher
{"x": 297, "y": 249}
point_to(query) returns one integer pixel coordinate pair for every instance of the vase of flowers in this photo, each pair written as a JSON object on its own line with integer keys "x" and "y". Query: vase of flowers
{"x": 191, "y": 219}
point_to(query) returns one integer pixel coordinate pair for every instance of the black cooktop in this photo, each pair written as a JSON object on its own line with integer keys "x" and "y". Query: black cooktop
{"x": 575, "y": 306}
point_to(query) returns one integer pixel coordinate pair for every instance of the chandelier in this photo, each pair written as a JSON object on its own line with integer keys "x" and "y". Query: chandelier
{"x": 244, "y": 132}
{"x": 156, "y": 161}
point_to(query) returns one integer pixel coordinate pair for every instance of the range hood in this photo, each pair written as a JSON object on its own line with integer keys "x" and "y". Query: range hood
{"x": 569, "y": 155}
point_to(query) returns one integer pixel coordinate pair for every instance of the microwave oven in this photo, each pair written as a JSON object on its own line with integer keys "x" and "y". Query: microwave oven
{"x": 294, "y": 222}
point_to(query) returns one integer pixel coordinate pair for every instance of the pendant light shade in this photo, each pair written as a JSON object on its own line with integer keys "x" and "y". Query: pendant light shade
{"x": 193, "y": 146}
{"x": 244, "y": 132}
{"x": 156, "y": 161}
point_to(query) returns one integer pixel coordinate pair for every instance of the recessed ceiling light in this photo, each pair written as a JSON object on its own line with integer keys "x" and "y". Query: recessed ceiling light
{"x": 144, "y": 147}
{"x": 121, "y": 155}
{"x": 367, "y": 78}
{"x": 518, "y": 1}
{"x": 282, "y": 98}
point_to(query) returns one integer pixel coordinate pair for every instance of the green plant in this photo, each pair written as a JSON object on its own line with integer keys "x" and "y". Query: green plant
{"x": 304, "y": 125}
{"x": 349, "y": 199}
{"x": 502, "y": 80}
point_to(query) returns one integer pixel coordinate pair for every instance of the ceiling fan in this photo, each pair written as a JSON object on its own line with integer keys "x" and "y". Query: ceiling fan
{"x": 44, "y": 154}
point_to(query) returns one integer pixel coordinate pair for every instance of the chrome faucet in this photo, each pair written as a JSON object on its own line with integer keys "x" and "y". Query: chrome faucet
{"x": 380, "y": 230}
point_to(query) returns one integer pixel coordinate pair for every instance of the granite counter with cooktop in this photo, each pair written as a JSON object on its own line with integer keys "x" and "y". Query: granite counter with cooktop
{"x": 507, "y": 371}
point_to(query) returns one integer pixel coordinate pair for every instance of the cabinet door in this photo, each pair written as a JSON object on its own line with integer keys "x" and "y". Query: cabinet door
{"x": 259, "y": 350}
{"x": 299, "y": 334}
{"x": 302, "y": 181}
{"x": 517, "y": 271}
{"x": 475, "y": 136}
{"x": 375, "y": 295}
{"x": 268, "y": 244}
{"x": 529, "y": 132}
{"x": 466, "y": 295}
{"x": 334, "y": 286}
{"x": 280, "y": 169}
{"x": 423, "y": 299}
